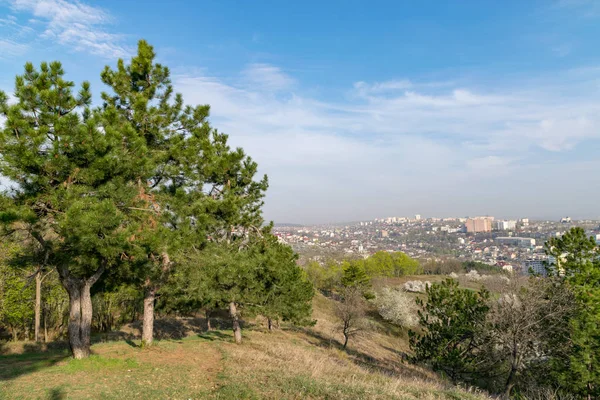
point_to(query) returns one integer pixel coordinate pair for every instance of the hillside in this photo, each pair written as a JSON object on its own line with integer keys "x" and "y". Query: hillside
{"x": 287, "y": 363}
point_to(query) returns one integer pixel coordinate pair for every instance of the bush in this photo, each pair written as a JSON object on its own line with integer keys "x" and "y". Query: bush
{"x": 396, "y": 307}
{"x": 416, "y": 286}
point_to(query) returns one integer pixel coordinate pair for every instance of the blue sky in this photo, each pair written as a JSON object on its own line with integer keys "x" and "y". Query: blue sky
{"x": 360, "y": 109}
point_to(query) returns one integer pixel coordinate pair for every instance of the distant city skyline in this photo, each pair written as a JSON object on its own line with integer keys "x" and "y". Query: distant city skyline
{"x": 358, "y": 110}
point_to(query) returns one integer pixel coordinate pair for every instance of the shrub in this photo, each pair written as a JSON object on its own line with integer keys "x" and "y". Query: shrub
{"x": 396, "y": 307}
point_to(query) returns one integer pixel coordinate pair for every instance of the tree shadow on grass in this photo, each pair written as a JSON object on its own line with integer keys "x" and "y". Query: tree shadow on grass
{"x": 15, "y": 365}
{"x": 369, "y": 362}
{"x": 57, "y": 393}
{"x": 214, "y": 336}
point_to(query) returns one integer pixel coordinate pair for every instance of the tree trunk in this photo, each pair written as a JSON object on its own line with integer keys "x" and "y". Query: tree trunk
{"x": 80, "y": 311}
{"x": 148, "y": 328}
{"x": 45, "y": 326}
{"x": 38, "y": 303}
{"x": 86, "y": 316}
{"x": 513, "y": 371}
{"x": 270, "y": 324}
{"x": 207, "y": 314}
{"x": 237, "y": 331}
{"x": 75, "y": 342}
{"x": 346, "y": 335}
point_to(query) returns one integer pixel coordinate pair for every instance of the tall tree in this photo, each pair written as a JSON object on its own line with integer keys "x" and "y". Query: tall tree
{"x": 69, "y": 166}
{"x": 194, "y": 186}
{"x": 578, "y": 264}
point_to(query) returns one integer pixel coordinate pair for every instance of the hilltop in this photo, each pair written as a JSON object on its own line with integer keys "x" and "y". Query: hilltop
{"x": 289, "y": 363}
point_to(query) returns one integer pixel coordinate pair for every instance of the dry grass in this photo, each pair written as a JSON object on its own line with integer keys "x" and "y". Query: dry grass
{"x": 286, "y": 364}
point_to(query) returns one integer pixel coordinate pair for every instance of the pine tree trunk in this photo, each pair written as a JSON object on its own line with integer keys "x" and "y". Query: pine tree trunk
{"x": 237, "y": 331}
{"x": 80, "y": 311}
{"x": 148, "y": 327}
{"x": 270, "y": 324}
{"x": 207, "y": 314}
{"x": 38, "y": 303}
{"x": 86, "y": 316}
{"x": 75, "y": 342}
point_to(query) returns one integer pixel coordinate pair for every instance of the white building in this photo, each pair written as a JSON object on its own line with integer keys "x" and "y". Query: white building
{"x": 503, "y": 225}
{"x": 515, "y": 241}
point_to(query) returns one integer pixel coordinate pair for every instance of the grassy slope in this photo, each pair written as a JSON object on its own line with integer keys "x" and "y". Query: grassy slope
{"x": 291, "y": 364}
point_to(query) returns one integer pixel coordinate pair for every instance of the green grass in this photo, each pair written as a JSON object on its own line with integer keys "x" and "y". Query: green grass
{"x": 286, "y": 364}
{"x": 96, "y": 363}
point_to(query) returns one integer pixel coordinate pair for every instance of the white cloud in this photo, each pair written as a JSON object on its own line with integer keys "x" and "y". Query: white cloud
{"x": 386, "y": 148}
{"x": 76, "y": 25}
{"x": 9, "y": 48}
{"x": 267, "y": 77}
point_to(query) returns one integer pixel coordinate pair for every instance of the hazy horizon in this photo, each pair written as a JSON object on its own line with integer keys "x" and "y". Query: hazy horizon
{"x": 358, "y": 111}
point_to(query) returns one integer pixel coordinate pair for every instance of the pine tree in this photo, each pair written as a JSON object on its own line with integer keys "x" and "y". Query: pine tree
{"x": 285, "y": 291}
{"x": 577, "y": 261}
{"x": 452, "y": 320}
{"x": 69, "y": 166}
{"x": 193, "y": 185}
{"x": 354, "y": 275}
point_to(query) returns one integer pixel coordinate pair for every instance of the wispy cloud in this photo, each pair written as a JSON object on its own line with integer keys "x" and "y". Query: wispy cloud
{"x": 267, "y": 77}
{"x": 399, "y": 137}
{"x": 75, "y": 24}
{"x": 9, "y": 48}
{"x": 584, "y": 8}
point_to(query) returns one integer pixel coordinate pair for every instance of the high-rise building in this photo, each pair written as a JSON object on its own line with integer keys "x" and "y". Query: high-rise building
{"x": 479, "y": 224}
{"x": 502, "y": 225}
{"x": 418, "y": 217}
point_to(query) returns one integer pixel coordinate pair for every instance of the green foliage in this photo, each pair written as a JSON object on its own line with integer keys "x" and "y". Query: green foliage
{"x": 577, "y": 365}
{"x": 286, "y": 292}
{"x": 69, "y": 164}
{"x": 16, "y": 298}
{"x": 384, "y": 263}
{"x": 333, "y": 275}
{"x": 115, "y": 307}
{"x": 452, "y": 321}
{"x": 258, "y": 274}
{"x": 481, "y": 267}
{"x": 354, "y": 275}
{"x": 325, "y": 277}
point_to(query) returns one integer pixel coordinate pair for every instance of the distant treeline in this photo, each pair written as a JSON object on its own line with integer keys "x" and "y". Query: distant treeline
{"x": 330, "y": 274}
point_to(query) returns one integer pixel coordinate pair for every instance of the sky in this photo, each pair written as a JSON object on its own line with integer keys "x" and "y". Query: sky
{"x": 364, "y": 109}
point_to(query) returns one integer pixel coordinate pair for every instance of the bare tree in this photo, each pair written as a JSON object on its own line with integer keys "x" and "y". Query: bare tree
{"x": 520, "y": 321}
{"x": 351, "y": 313}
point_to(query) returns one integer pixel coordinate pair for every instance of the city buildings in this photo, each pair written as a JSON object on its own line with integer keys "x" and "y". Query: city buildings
{"x": 515, "y": 241}
{"x": 535, "y": 266}
{"x": 502, "y": 225}
{"x": 479, "y": 224}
